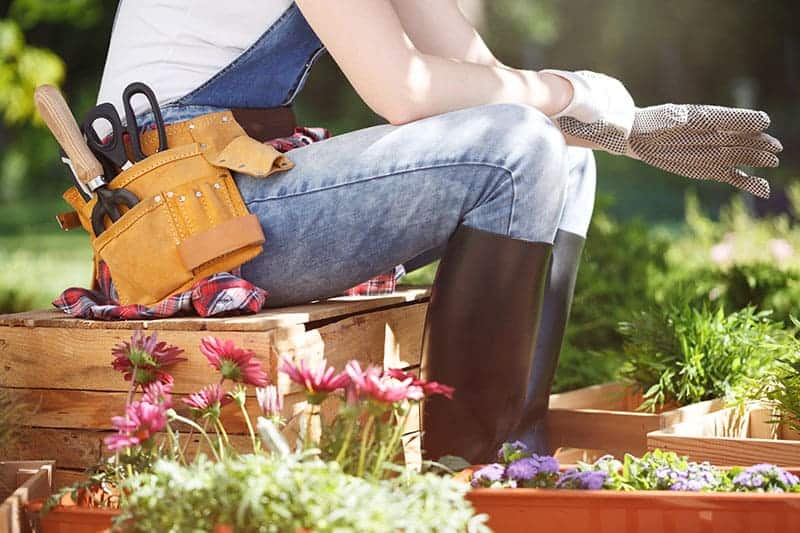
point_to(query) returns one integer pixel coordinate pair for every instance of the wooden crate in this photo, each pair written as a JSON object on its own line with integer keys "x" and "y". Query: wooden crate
{"x": 22, "y": 482}
{"x": 62, "y": 365}
{"x": 732, "y": 436}
{"x": 603, "y": 419}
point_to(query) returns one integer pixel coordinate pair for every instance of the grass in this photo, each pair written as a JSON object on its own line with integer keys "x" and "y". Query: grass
{"x": 37, "y": 261}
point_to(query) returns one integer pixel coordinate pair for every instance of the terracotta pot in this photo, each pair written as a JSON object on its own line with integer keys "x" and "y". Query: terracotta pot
{"x": 576, "y": 511}
{"x": 69, "y": 517}
{"x": 654, "y": 511}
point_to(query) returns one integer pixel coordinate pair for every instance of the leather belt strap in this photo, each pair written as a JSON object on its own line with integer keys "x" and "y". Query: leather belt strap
{"x": 267, "y": 123}
{"x": 222, "y": 239}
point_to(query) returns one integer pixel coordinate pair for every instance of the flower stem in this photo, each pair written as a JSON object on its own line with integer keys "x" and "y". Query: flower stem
{"x": 362, "y": 453}
{"x": 347, "y": 438}
{"x": 176, "y": 444}
{"x": 132, "y": 388}
{"x": 202, "y": 431}
{"x": 221, "y": 431}
{"x": 388, "y": 451}
{"x": 256, "y": 446}
{"x": 311, "y": 410}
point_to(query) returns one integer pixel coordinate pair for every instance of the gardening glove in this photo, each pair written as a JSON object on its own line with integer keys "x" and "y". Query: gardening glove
{"x": 601, "y": 111}
{"x": 705, "y": 142}
{"x": 697, "y": 141}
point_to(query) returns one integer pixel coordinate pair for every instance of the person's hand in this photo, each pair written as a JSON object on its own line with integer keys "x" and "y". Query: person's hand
{"x": 705, "y": 142}
{"x": 696, "y": 141}
{"x": 601, "y": 112}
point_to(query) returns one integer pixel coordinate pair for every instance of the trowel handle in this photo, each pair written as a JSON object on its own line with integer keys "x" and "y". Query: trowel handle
{"x": 59, "y": 119}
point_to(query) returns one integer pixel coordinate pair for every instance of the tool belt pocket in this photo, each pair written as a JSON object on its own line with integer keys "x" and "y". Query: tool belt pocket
{"x": 190, "y": 221}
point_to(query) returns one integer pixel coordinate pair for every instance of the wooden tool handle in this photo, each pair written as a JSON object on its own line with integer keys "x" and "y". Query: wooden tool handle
{"x": 59, "y": 119}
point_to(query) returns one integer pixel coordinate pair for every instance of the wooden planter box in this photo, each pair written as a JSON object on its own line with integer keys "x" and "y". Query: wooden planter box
{"x": 62, "y": 365}
{"x": 732, "y": 436}
{"x": 22, "y": 482}
{"x": 603, "y": 419}
{"x": 576, "y": 511}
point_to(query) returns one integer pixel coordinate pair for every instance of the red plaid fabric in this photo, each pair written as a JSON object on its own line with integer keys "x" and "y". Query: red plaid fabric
{"x": 221, "y": 294}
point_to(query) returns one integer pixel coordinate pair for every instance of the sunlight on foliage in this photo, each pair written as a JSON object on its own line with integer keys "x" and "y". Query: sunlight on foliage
{"x": 22, "y": 69}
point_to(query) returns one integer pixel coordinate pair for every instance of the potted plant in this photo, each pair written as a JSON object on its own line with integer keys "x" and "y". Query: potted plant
{"x": 659, "y": 492}
{"x": 681, "y": 363}
{"x": 765, "y": 429}
{"x": 292, "y": 492}
{"x": 363, "y": 439}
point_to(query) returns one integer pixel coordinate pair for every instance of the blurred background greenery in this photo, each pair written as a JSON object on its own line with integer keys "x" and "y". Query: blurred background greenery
{"x": 652, "y": 231}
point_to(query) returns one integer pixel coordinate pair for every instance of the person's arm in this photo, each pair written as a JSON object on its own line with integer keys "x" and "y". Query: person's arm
{"x": 401, "y": 82}
{"x": 439, "y": 28}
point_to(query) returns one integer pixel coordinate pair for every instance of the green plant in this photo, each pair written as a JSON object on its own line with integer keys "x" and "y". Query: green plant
{"x": 518, "y": 467}
{"x": 619, "y": 267}
{"x": 680, "y": 354}
{"x": 259, "y": 493}
{"x": 364, "y": 439}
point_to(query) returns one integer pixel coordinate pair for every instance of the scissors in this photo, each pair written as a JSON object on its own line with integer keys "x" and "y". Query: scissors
{"x": 111, "y": 150}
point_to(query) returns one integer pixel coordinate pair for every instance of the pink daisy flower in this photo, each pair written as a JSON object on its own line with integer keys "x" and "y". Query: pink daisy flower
{"x": 372, "y": 384}
{"x": 210, "y": 397}
{"x": 270, "y": 400}
{"x": 143, "y": 358}
{"x": 428, "y": 387}
{"x": 158, "y": 393}
{"x": 141, "y": 421}
{"x": 319, "y": 380}
{"x": 234, "y": 363}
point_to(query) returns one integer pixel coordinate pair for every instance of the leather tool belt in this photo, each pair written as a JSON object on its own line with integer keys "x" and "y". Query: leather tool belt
{"x": 190, "y": 221}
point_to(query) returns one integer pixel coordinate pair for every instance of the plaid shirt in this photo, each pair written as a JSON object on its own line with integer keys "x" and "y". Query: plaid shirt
{"x": 217, "y": 295}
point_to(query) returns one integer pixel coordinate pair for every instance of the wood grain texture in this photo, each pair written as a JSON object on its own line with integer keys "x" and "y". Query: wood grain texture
{"x": 731, "y": 436}
{"x": 267, "y": 319}
{"x": 79, "y": 449}
{"x": 58, "y": 117}
{"x": 80, "y": 359}
{"x": 391, "y": 338}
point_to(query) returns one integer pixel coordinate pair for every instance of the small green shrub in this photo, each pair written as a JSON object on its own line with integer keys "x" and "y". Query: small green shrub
{"x": 680, "y": 354}
{"x": 258, "y": 493}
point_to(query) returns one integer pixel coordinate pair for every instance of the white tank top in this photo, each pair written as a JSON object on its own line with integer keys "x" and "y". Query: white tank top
{"x": 174, "y": 46}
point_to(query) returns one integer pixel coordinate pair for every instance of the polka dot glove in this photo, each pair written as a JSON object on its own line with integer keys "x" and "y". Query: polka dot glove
{"x": 601, "y": 110}
{"x": 697, "y": 141}
{"x": 705, "y": 142}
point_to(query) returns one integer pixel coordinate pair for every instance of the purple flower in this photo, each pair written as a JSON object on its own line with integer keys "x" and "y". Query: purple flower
{"x": 548, "y": 464}
{"x": 574, "y": 479}
{"x": 512, "y": 451}
{"x": 533, "y": 471}
{"x": 487, "y": 475}
{"x": 523, "y": 469}
{"x": 765, "y": 478}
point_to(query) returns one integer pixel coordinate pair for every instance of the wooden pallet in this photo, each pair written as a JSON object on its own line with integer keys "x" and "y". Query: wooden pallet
{"x": 732, "y": 436}
{"x": 22, "y": 482}
{"x": 603, "y": 419}
{"x": 62, "y": 365}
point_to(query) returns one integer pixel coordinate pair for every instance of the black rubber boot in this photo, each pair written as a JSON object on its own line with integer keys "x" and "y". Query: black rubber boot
{"x": 560, "y": 287}
{"x": 479, "y": 335}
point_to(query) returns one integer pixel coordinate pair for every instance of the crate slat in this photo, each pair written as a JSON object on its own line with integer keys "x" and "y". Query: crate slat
{"x": 731, "y": 436}
{"x": 264, "y": 320}
{"x": 603, "y": 417}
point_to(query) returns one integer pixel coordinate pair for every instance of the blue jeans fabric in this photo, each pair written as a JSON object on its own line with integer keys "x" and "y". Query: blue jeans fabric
{"x": 358, "y": 204}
